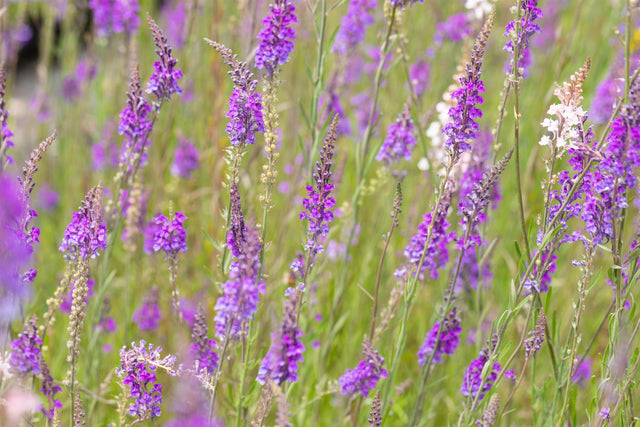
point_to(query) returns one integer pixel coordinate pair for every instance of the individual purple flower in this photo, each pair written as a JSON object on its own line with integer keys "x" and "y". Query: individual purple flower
{"x": 318, "y": 205}
{"x": 403, "y": 3}
{"x": 135, "y": 126}
{"x": 519, "y": 34}
{"x": 400, "y": 139}
{"x": 148, "y": 315}
{"x": 473, "y": 380}
{"x": 447, "y": 343}
{"x": 437, "y": 253}
{"x": 364, "y": 377}
{"x": 245, "y": 105}
{"x": 203, "y": 349}
{"x": 171, "y": 237}
{"x": 605, "y": 414}
{"x": 175, "y": 17}
{"x": 281, "y": 362}
{"x": 137, "y": 370}
{"x": 582, "y": 372}
{"x": 455, "y": 28}
{"x": 25, "y": 350}
{"x": 164, "y": 80}
{"x": 241, "y": 292}
{"x": 5, "y": 133}
{"x": 86, "y": 234}
{"x": 276, "y": 38}
{"x": 354, "y": 26}
{"x": 419, "y": 74}
{"x": 115, "y": 16}
{"x": 185, "y": 160}
{"x": 463, "y": 128}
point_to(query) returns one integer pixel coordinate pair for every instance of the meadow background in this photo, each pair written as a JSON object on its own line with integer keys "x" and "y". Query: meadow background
{"x": 64, "y": 74}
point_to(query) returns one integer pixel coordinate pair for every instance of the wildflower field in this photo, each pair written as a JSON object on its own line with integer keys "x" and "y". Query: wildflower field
{"x": 319, "y": 213}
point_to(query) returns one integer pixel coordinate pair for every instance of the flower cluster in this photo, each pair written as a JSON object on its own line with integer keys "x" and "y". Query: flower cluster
{"x": 115, "y": 16}
{"x": 364, "y": 377}
{"x": 463, "y": 127}
{"x": 203, "y": 349}
{"x": 5, "y": 132}
{"x": 276, "y": 36}
{"x": 319, "y": 203}
{"x": 400, "y": 139}
{"x": 436, "y": 254}
{"x": 566, "y": 128}
{"x": 25, "y": 350}
{"x": 86, "y": 234}
{"x": 353, "y": 26}
{"x": 473, "y": 380}
{"x": 186, "y": 159}
{"x": 534, "y": 341}
{"x": 135, "y": 126}
{"x": 239, "y": 302}
{"x": 164, "y": 80}
{"x": 245, "y": 104}
{"x": 519, "y": 33}
{"x": 281, "y": 362}
{"x": 138, "y": 366}
{"x": 447, "y": 343}
{"x": 171, "y": 236}
{"x": 148, "y": 316}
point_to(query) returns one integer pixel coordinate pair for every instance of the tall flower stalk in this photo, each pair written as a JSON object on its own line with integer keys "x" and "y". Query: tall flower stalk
{"x": 464, "y": 119}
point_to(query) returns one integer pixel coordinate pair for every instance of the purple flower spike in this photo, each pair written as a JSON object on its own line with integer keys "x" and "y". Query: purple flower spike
{"x": 5, "y": 133}
{"x": 25, "y": 350}
{"x": 473, "y": 377}
{"x": 454, "y": 29}
{"x": 164, "y": 80}
{"x": 148, "y": 316}
{"x": 463, "y": 127}
{"x": 437, "y": 254}
{"x": 245, "y": 105}
{"x": 527, "y": 27}
{"x": 115, "y": 16}
{"x": 203, "y": 348}
{"x": 448, "y": 342}
{"x": 354, "y": 25}
{"x": 86, "y": 234}
{"x": 236, "y": 307}
{"x": 281, "y": 362}
{"x": 277, "y": 36}
{"x": 319, "y": 204}
{"x": 171, "y": 237}
{"x": 137, "y": 370}
{"x": 400, "y": 139}
{"x": 364, "y": 377}
{"x": 135, "y": 126}
{"x": 186, "y": 159}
